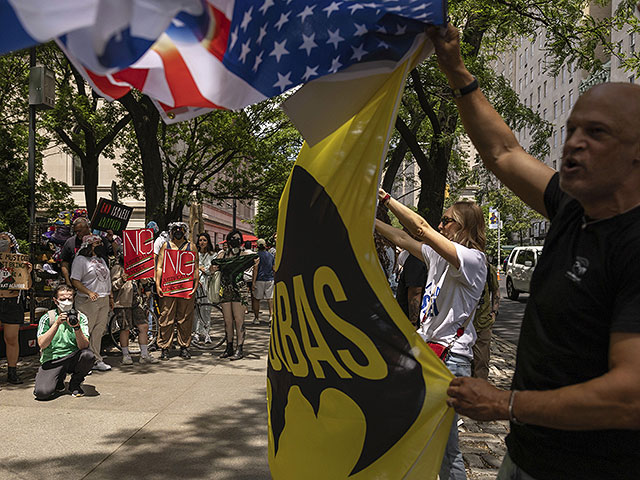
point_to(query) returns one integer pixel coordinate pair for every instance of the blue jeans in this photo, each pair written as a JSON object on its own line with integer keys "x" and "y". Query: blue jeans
{"x": 511, "y": 471}
{"x": 452, "y": 467}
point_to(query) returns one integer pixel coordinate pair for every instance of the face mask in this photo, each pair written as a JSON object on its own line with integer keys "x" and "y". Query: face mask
{"x": 65, "y": 305}
{"x": 4, "y": 245}
{"x": 234, "y": 242}
{"x": 178, "y": 234}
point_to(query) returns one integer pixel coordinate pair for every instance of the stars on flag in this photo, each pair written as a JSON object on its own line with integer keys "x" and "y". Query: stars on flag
{"x": 277, "y": 44}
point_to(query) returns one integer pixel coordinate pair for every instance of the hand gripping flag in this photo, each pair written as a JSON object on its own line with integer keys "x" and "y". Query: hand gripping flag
{"x": 353, "y": 391}
{"x": 191, "y": 56}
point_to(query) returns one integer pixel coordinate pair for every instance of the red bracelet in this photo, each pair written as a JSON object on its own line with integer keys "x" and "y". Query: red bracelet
{"x": 386, "y": 199}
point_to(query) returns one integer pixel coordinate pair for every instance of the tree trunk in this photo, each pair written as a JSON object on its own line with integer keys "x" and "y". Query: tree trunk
{"x": 145, "y": 119}
{"x": 90, "y": 173}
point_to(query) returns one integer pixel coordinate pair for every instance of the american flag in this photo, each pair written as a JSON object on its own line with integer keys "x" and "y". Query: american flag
{"x": 191, "y": 56}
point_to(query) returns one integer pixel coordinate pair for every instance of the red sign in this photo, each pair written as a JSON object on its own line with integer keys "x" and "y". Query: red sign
{"x": 138, "y": 253}
{"x": 178, "y": 269}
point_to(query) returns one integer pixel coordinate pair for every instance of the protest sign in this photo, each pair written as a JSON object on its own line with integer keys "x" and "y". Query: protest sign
{"x": 110, "y": 215}
{"x": 14, "y": 274}
{"x": 138, "y": 254}
{"x": 177, "y": 273}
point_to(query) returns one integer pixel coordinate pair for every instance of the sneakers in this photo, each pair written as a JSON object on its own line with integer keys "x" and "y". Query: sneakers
{"x": 13, "y": 378}
{"x": 101, "y": 366}
{"x": 165, "y": 354}
{"x": 148, "y": 359}
{"x": 127, "y": 360}
{"x": 77, "y": 392}
{"x": 184, "y": 353}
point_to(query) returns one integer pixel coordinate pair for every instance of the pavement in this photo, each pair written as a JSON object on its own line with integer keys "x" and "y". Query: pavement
{"x": 203, "y": 418}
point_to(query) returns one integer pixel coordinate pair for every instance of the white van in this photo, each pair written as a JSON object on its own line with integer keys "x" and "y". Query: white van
{"x": 520, "y": 266}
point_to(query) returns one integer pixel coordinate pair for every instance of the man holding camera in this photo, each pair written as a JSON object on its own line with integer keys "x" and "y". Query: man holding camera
{"x": 63, "y": 337}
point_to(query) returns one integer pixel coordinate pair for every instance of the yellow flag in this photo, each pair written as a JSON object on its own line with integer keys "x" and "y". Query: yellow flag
{"x": 353, "y": 391}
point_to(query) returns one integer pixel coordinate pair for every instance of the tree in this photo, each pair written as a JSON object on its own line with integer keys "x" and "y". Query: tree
{"x": 217, "y": 156}
{"x": 489, "y": 28}
{"x": 82, "y": 120}
{"x": 51, "y": 195}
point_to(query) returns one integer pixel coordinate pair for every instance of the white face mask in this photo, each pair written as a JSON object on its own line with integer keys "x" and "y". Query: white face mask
{"x": 65, "y": 305}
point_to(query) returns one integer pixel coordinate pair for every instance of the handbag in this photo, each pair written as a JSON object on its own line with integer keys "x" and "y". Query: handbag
{"x": 214, "y": 287}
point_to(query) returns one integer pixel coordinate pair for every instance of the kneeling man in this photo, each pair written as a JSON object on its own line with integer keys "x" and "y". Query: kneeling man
{"x": 63, "y": 337}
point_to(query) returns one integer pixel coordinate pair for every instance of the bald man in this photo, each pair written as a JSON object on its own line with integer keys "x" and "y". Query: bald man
{"x": 574, "y": 406}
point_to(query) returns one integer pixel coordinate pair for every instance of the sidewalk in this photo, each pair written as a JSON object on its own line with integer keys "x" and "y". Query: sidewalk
{"x": 482, "y": 443}
{"x": 204, "y": 418}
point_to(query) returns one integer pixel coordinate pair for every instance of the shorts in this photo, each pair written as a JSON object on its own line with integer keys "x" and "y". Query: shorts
{"x": 128, "y": 317}
{"x": 11, "y": 311}
{"x": 263, "y": 290}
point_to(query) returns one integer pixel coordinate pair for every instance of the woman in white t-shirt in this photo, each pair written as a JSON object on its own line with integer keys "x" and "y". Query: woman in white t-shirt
{"x": 90, "y": 275}
{"x": 457, "y": 272}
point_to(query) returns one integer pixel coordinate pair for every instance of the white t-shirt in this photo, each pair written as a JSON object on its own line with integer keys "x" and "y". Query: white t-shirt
{"x": 93, "y": 273}
{"x": 451, "y": 296}
{"x": 161, "y": 240}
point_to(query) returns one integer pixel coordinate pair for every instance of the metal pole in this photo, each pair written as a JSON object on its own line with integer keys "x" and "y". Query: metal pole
{"x": 499, "y": 222}
{"x": 32, "y": 188}
{"x": 234, "y": 213}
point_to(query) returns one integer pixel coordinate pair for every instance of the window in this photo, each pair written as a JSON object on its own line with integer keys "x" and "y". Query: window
{"x": 562, "y": 74}
{"x": 510, "y": 66}
{"x": 570, "y": 99}
{"x": 77, "y": 172}
{"x": 555, "y": 139}
{"x": 544, "y": 89}
{"x": 555, "y": 165}
{"x": 555, "y": 110}
{"x": 562, "y": 104}
{"x": 526, "y": 50}
{"x": 540, "y": 66}
{"x": 531, "y": 100}
{"x": 544, "y": 114}
{"x": 539, "y": 89}
{"x": 632, "y": 42}
{"x": 519, "y": 85}
{"x": 525, "y": 80}
{"x": 525, "y": 102}
{"x": 632, "y": 79}
{"x": 520, "y": 60}
{"x": 531, "y": 74}
{"x": 525, "y": 256}
{"x": 562, "y": 135}
{"x": 555, "y": 82}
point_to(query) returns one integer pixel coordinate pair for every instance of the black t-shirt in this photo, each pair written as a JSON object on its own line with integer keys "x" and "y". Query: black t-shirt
{"x": 414, "y": 274}
{"x": 73, "y": 244}
{"x": 585, "y": 287}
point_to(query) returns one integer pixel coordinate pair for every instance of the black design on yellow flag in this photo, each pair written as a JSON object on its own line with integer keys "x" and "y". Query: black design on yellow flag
{"x": 353, "y": 391}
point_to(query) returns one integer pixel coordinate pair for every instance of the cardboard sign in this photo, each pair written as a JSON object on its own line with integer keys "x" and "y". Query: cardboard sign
{"x": 178, "y": 268}
{"x": 110, "y": 215}
{"x": 14, "y": 274}
{"x": 138, "y": 253}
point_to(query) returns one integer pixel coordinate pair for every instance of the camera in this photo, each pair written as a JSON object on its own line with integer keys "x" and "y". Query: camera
{"x": 72, "y": 317}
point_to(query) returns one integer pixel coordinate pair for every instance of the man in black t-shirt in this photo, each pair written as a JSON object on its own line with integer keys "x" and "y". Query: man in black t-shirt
{"x": 411, "y": 287}
{"x": 574, "y": 406}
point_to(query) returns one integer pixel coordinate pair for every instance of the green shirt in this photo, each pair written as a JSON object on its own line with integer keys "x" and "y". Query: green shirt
{"x": 64, "y": 341}
{"x": 483, "y": 319}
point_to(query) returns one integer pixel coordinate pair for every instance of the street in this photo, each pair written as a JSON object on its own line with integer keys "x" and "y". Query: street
{"x": 507, "y": 325}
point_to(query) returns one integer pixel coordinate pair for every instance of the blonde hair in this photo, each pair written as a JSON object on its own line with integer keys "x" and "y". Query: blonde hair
{"x": 471, "y": 220}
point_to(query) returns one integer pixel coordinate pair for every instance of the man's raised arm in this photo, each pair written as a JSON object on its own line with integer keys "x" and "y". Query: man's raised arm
{"x": 494, "y": 140}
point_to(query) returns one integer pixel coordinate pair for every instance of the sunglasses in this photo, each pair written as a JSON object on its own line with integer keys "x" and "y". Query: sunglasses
{"x": 446, "y": 220}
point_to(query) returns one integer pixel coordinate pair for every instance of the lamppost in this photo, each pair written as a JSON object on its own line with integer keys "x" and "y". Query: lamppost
{"x": 42, "y": 91}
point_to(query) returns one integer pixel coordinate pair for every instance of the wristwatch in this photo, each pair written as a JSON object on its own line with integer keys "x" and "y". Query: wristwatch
{"x": 495, "y": 312}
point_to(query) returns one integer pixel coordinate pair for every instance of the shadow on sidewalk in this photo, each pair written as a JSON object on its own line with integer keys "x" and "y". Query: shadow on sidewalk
{"x": 220, "y": 444}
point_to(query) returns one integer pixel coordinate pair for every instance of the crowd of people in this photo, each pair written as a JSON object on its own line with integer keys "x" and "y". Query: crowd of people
{"x": 93, "y": 286}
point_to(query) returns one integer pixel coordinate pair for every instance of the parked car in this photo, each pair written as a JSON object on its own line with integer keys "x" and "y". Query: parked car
{"x": 519, "y": 268}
